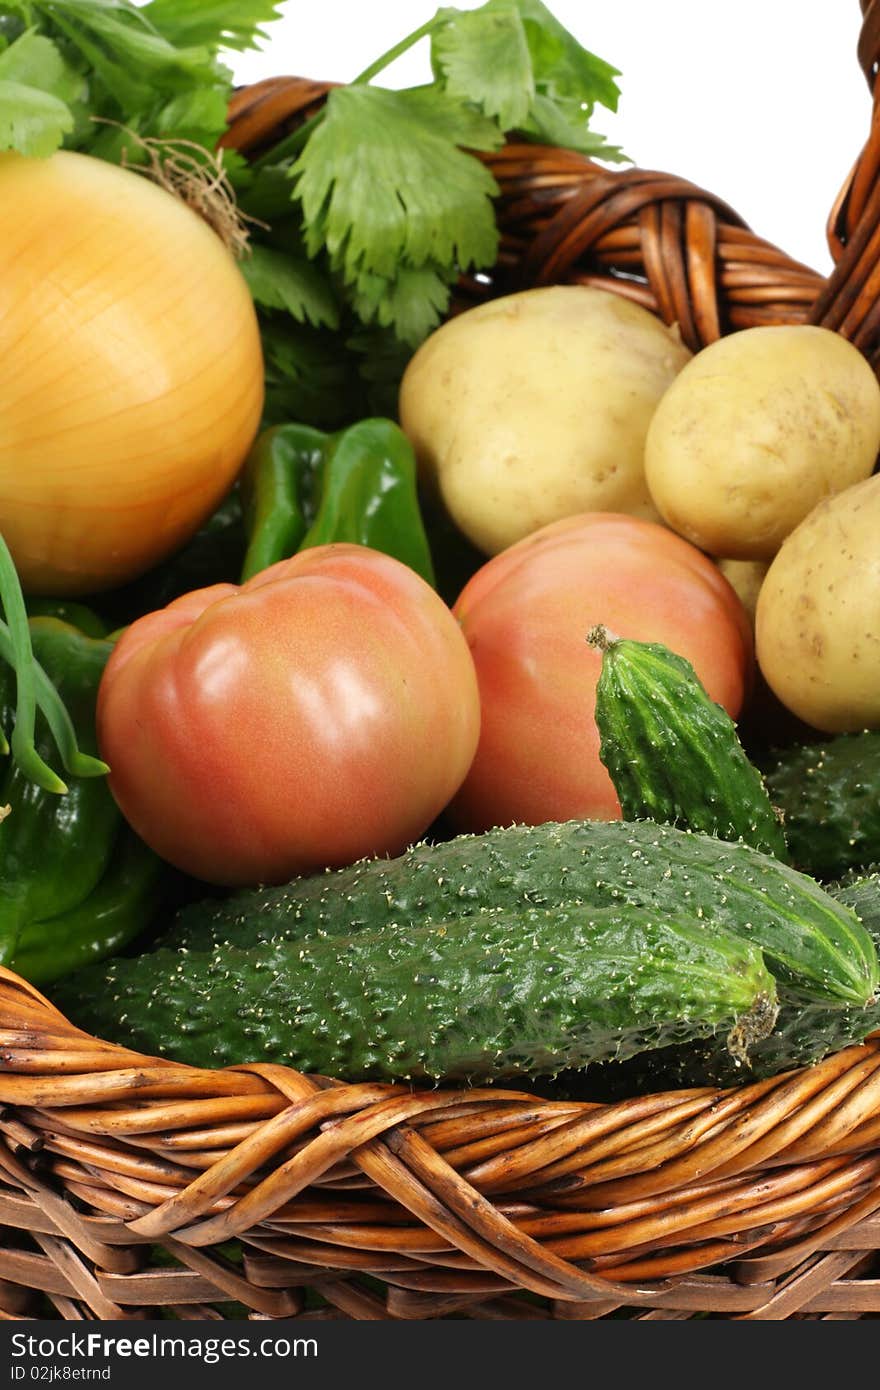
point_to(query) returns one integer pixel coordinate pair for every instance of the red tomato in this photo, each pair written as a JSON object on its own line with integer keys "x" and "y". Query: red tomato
{"x": 526, "y": 615}
{"x": 326, "y": 710}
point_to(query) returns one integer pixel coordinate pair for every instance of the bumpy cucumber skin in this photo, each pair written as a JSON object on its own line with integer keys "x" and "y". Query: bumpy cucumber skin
{"x": 811, "y": 942}
{"x": 493, "y": 995}
{"x": 829, "y": 795}
{"x": 861, "y": 892}
{"x": 803, "y": 1034}
{"x": 672, "y": 753}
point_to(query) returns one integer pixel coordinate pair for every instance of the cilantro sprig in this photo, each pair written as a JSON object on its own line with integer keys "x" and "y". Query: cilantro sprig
{"x": 153, "y": 69}
{"x": 366, "y": 215}
{"x": 390, "y": 190}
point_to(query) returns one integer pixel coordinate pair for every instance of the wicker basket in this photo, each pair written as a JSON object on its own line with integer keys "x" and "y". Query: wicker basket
{"x": 376, "y": 1201}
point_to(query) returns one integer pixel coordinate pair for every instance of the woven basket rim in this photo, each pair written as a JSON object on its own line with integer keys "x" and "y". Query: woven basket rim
{"x": 591, "y": 1206}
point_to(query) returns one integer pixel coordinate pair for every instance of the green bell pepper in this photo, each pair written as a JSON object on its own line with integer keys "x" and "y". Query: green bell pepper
{"x": 120, "y": 906}
{"x": 277, "y": 493}
{"x": 76, "y": 614}
{"x": 301, "y": 488}
{"x": 75, "y": 881}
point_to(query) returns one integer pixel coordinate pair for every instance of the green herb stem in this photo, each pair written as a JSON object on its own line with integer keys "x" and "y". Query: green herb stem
{"x": 292, "y": 144}
{"x": 393, "y": 53}
{"x": 34, "y": 690}
{"x": 21, "y": 658}
{"x": 54, "y": 711}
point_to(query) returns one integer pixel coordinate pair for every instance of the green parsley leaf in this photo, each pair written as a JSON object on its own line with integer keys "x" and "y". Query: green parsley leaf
{"x": 198, "y": 115}
{"x": 563, "y": 68}
{"x": 263, "y": 193}
{"x": 32, "y": 122}
{"x": 515, "y": 61}
{"x": 483, "y": 57}
{"x": 35, "y": 61}
{"x": 135, "y": 64}
{"x": 382, "y": 180}
{"x": 215, "y": 23}
{"x": 385, "y": 187}
{"x": 277, "y": 280}
{"x": 412, "y": 302}
{"x": 563, "y": 123}
{"x": 82, "y": 7}
{"x": 382, "y": 358}
{"x": 311, "y": 375}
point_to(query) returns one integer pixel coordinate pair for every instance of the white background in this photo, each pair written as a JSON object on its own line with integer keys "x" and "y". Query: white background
{"x": 761, "y": 102}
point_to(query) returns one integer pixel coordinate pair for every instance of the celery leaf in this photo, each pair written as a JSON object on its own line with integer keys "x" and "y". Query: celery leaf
{"x": 483, "y": 57}
{"x": 310, "y": 374}
{"x": 564, "y": 70}
{"x": 35, "y": 61}
{"x": 386, "y": 187}
{"x": 32, "y": 122}
{"x": 412, "y": 301}
{"x": 514, "y": 60}
{"x": 217, "y": 23}
{"x": 564, "y": 123}
{"x": 278, "y": 280}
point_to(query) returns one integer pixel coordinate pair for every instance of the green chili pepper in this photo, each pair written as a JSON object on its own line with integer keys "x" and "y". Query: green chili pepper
{"x": 60, "y": 856}
{"x": 113, "y": 914}
{"x": 277, "y": 492}
{"x": 302, "y": 488}
{"x": 69, "y": 612}
{"x": 369, "y": 497}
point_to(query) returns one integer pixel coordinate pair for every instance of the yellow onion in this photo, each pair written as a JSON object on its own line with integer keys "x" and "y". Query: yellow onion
{"x": 132, "y": 376}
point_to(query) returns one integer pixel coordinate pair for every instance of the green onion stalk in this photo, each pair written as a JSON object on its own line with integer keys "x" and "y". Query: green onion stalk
{"x": 34, "y": 691}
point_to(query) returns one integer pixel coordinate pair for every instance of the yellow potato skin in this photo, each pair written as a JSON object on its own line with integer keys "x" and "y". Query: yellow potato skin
{"x": 535, "y": 406}
{"x": 745, "y": 577}
{"x": 756, "y": 430}
{"x": 818, "y": 619}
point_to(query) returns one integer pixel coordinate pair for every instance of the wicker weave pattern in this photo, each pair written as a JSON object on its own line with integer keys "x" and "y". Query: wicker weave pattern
{"x": 456, "y": 1200}
{"x": 759, "y": 1202}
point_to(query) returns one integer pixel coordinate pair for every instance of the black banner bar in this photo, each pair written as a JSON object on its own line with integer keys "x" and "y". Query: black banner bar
{"x": 263, "y": 1355}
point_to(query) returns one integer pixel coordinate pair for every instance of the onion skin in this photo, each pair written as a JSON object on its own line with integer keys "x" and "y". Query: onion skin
{"x": 133, "y": 373}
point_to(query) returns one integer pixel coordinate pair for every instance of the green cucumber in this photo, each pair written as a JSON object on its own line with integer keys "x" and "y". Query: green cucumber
{"x": 829, "y": 795}
{"x": 491, "y": 995}
{"x": 671, "y": 752}
{"x": 804, "y": 1033}
{"x": 861, "y": 892}
{"x": 812, "y": 943}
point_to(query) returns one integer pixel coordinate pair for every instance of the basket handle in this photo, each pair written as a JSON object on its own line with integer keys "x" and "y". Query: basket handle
{"x": 850, "y": 300}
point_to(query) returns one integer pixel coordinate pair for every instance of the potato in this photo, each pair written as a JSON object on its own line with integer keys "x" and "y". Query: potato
{"x": 535, "y": 406}
{"x": 756, "y": 430}
{"x": 818, "y": 622}
{"x": 745, "y": 577}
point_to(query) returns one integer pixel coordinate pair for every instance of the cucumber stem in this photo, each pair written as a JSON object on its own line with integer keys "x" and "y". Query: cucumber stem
{"x": 751, "y": 1028}
{"x": 600, "y": 639}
